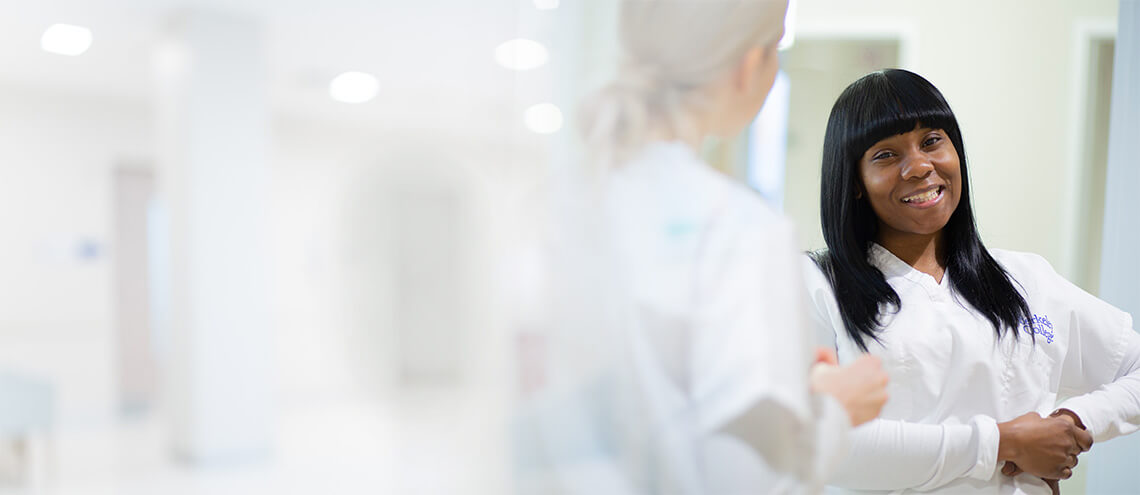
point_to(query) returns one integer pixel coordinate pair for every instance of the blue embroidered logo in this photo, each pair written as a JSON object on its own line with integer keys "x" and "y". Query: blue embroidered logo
{"x": 1040, "y": 325}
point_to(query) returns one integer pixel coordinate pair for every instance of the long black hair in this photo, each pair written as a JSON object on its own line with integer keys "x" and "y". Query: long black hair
{"x": 879, "y": 105}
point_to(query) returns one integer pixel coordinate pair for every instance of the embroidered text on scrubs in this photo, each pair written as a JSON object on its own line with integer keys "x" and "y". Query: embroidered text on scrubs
{"x": 1041, "y": 325}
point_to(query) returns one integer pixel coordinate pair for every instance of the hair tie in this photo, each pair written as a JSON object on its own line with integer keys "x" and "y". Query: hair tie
{"x": 642, "y": 77}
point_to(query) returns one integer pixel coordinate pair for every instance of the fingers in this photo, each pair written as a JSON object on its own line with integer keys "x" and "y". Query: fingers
{"x": 1066, "y": 473}
{"x": 826, "y": 356}
{"x": 870, "y": 369}
{"x": 1073, "y": 461}
{"x": 824, "y": 378}
{"x": 1010, "y": 469}
{"x": 1084, "y": 439}
{"x": 874, "y": 366}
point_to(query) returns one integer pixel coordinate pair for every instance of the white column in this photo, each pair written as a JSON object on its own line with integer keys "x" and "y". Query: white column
{"x": 212, "y": 128}
{"x": 1112, "y": 465}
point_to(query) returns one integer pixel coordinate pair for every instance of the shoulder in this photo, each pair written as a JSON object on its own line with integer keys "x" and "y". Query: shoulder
{"x": 740, "y": 213}
{"x": 736, "y": 207}
{"x": 821, "y": 295}
{"x": 1025, "y": 267}
{"x": 1019, "y": 258}
{"x": 822, "y": 307}
{"x": 815, "y": 276}
{"x": 727, "y": 196}
{"x": 679, "y": 176}
{"x": 668, "y": 184}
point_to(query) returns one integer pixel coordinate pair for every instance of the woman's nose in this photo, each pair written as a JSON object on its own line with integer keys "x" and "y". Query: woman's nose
{"x": 917, "y": 167}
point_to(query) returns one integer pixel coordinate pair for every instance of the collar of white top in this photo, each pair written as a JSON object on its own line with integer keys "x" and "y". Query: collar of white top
{"x": 657, "y": 148}
{"x": 892, "y": 266}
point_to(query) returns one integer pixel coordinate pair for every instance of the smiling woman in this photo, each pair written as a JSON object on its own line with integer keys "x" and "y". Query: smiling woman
{"x": 891, "y": 135}
{"x": 979, "y": 343}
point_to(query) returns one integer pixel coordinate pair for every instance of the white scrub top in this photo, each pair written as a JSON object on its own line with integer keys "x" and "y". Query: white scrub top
{"x": 952, "y": 381}
{"x": 718, "y": 337}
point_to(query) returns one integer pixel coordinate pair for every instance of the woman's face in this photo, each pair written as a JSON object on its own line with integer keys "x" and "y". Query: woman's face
{"x": 913, "y": 181}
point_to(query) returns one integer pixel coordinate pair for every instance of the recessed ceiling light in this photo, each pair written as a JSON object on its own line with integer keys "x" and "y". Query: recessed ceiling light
{"x": 546, "y": 4}
{"x": 543, "y": 118}
{"x": 65, "y": 39}
{"x": 354, "y": 87}
{"x": 521, "y": 54}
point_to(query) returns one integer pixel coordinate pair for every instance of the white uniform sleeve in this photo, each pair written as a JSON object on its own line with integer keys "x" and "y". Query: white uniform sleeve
{"x": 832, "y": 437}
{"x": 1100, "y": 375}
{"x": 820, "y": 317}
{"x": 831, "y": 411}
{"x": 891, "y": 454}
{"x": 753, "y": 351}
{"x": 1113, "y": 409}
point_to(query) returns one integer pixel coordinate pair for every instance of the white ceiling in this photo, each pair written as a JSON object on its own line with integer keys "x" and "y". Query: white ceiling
{"x": 435, "y": 58}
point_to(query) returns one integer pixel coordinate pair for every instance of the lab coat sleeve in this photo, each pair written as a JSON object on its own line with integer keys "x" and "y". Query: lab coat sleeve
{"x": 832, "y": 416}
{"x": 1113, "y": 409}
{"x": 1100, "y": 375}
{"x": 753, "y": 350}
{"x": 893, "y": 455}
{"x": 832, "y": 437}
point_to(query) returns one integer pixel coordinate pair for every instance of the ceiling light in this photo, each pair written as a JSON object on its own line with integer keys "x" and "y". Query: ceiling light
{"x": 521, "y": 54}
{"x": 65, "y": 39}
{"x": 354, "y": 87}
{"x": 543, "y": 118}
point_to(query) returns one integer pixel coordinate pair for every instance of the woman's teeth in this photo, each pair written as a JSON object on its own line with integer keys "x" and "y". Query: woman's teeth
{"x": 924, "y": 197}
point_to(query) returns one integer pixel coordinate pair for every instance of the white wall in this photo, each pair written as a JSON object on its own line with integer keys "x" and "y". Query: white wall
{"x": 330, "y": 188}
{"x": 57, "y": 153}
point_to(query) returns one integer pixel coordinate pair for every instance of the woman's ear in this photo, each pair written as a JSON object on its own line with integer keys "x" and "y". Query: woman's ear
{"x": 748, "y": 69}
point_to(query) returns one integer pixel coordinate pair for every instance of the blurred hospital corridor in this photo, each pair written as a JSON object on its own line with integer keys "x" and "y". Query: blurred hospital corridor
{"x": 295, "y": 247}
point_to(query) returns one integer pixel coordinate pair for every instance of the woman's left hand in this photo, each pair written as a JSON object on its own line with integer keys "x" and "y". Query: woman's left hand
{"x": 1011, "y": 469}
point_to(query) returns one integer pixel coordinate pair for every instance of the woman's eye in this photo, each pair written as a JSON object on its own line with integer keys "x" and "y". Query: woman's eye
{"x": 931, "y": 140}
{"x": 883, "y": 155}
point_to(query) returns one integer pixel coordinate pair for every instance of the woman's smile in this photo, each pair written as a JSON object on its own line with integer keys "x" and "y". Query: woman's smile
{"x": 925, "y": 198}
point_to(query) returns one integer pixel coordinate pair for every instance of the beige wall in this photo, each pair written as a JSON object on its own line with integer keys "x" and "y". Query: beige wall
{"x": 1010, "y": 69}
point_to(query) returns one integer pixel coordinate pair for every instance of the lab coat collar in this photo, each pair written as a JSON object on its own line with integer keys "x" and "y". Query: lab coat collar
{"x": 892, "y": 266}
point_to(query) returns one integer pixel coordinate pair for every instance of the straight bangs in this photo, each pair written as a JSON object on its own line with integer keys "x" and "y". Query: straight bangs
{"x": 888, "y": 106}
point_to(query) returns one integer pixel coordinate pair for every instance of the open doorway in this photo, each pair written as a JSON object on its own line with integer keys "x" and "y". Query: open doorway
{"x": 1092, "y": 162}
{"x": 818, "y": 69}
{"x": 134, "y": 187}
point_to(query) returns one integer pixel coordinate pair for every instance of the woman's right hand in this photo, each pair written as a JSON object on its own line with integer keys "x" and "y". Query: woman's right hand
{"x": 1044, "y": 447}
{"x": 860, "y": 387}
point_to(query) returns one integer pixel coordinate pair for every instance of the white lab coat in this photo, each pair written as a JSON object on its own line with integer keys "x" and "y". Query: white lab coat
{"x": 716, "y": 333}
{"x": 952, "y": 382}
